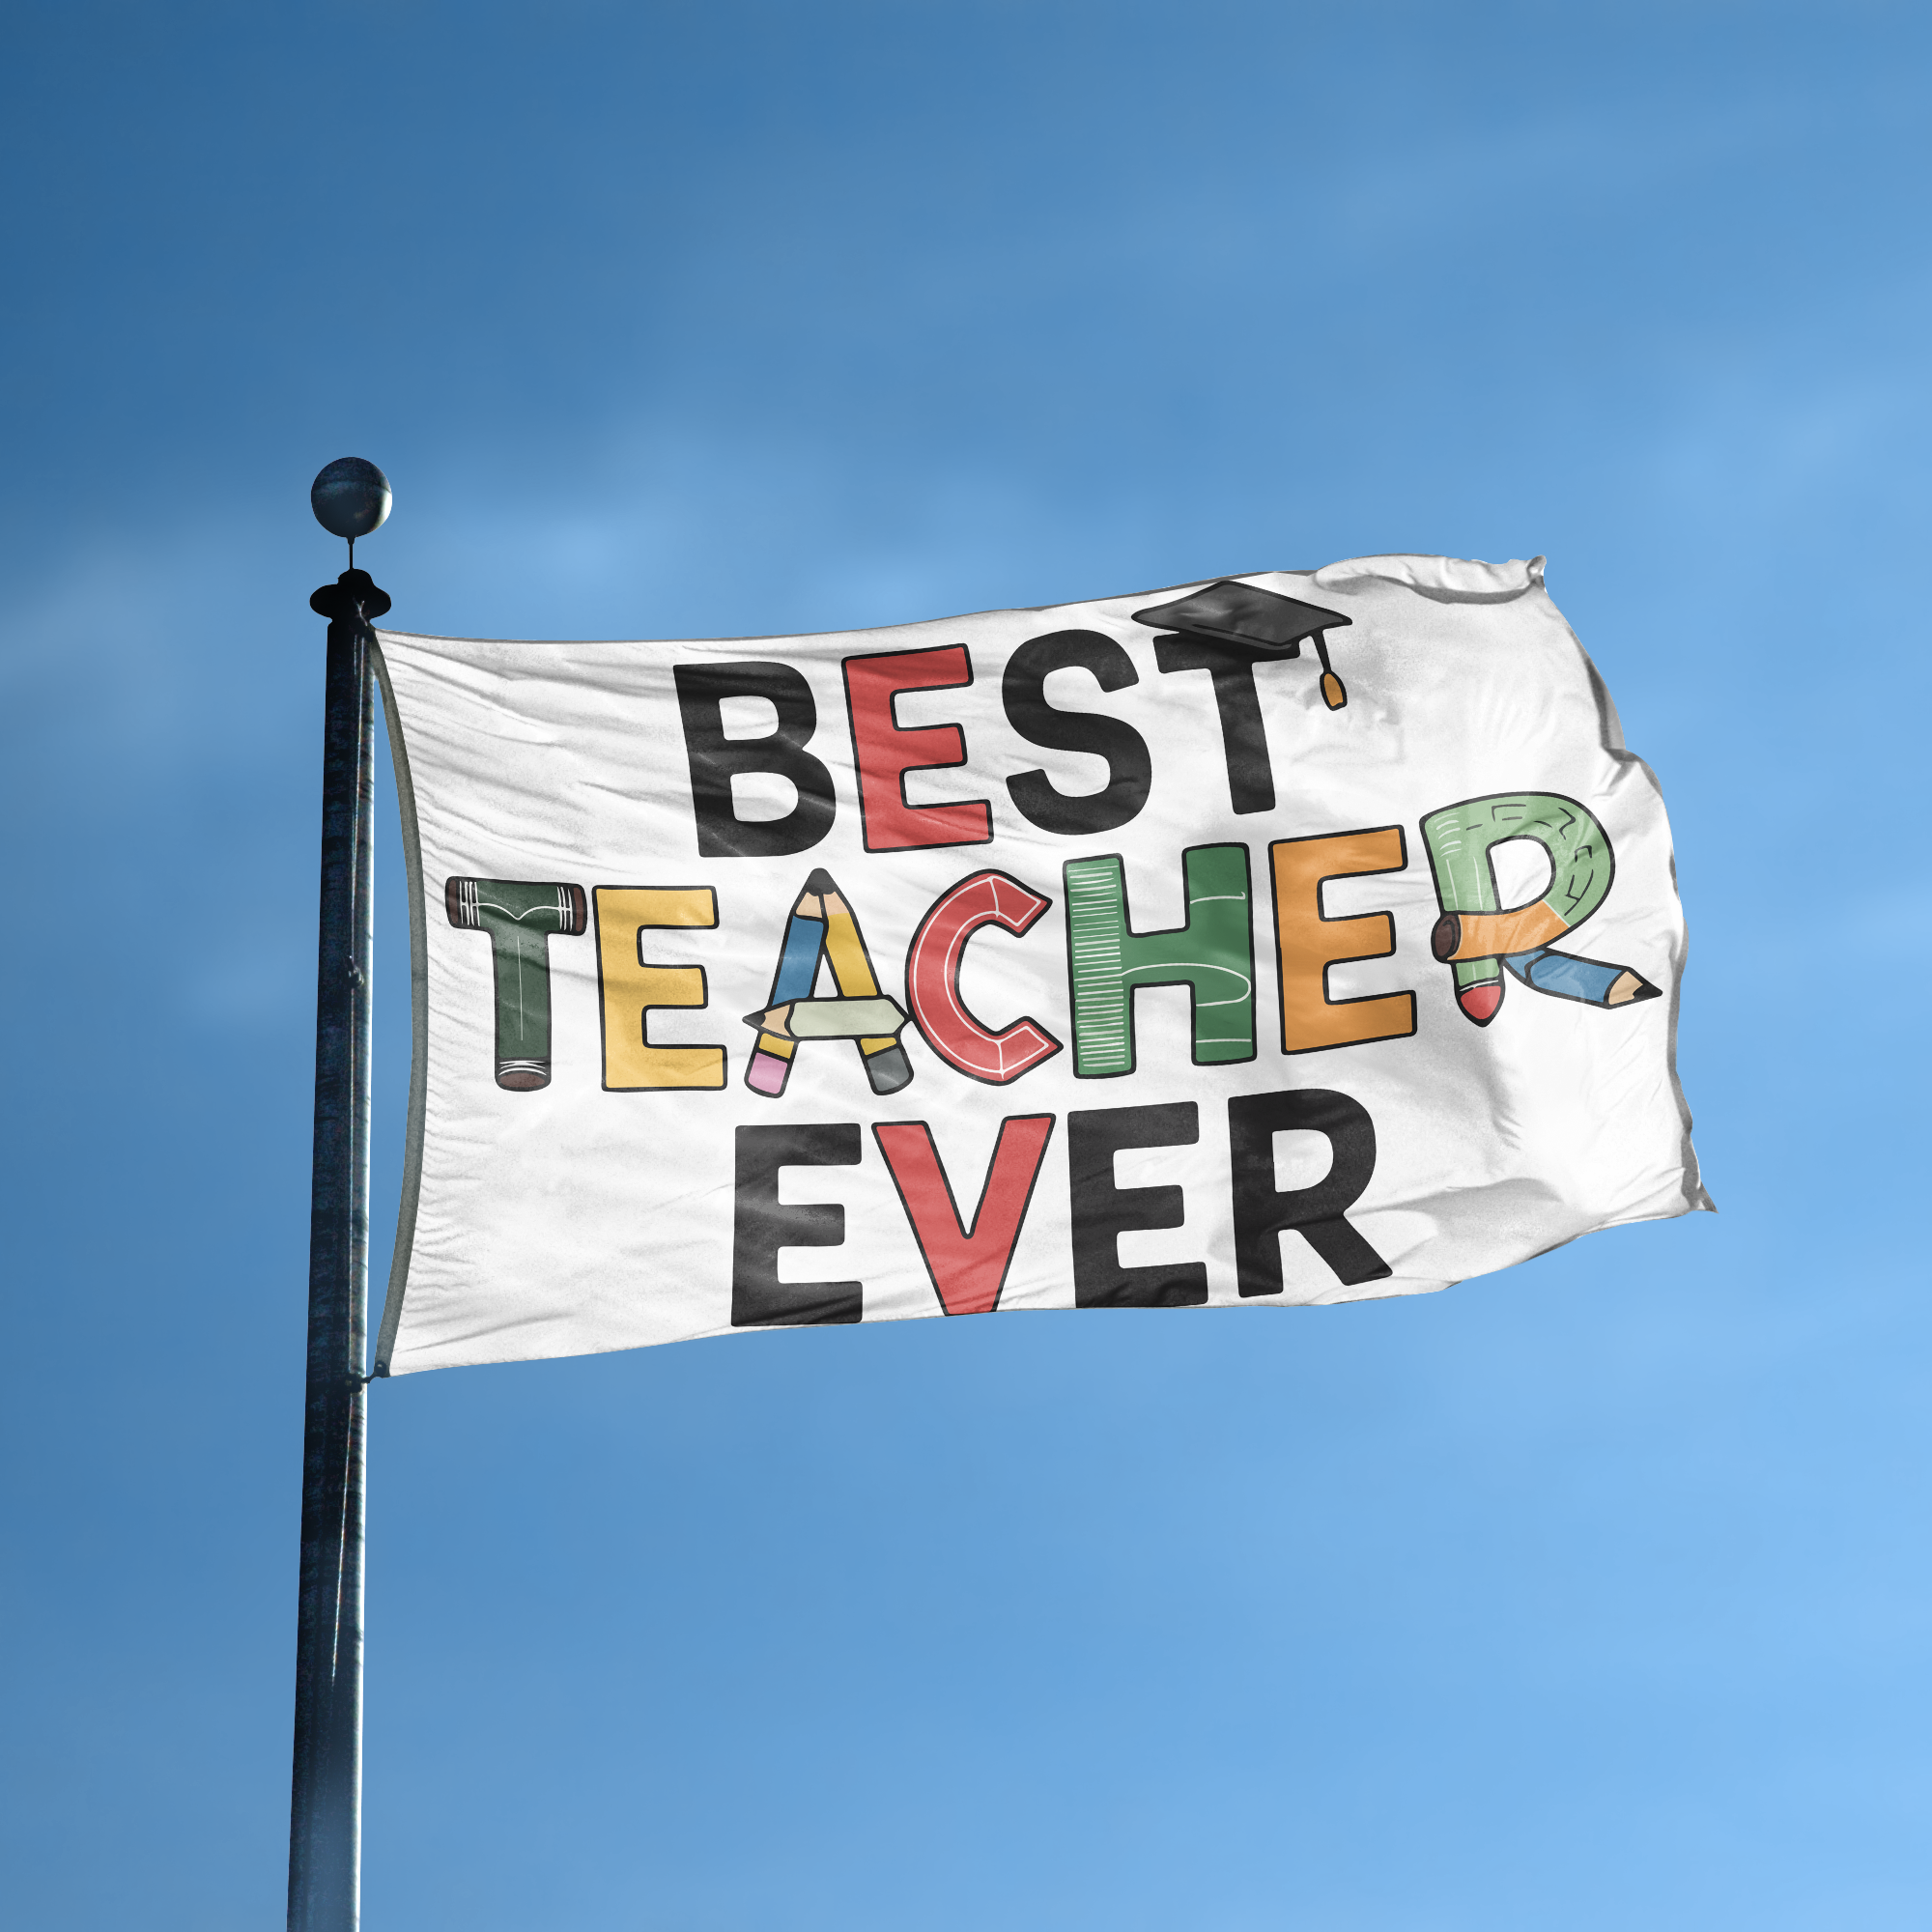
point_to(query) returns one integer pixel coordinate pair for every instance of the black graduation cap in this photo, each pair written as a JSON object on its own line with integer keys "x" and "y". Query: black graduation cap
{"x": 1264, "y": 620}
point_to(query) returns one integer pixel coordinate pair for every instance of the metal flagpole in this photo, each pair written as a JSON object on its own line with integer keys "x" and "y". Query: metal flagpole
{"x": 351, "y": 499}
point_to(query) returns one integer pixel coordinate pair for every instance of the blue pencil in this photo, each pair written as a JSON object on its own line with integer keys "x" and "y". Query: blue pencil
{"x": 1570, "y": 977}
{"x": 770, "y": 1063}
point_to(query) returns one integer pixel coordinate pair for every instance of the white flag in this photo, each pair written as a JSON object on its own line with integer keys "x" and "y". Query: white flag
{"x": 1291, "y": 938}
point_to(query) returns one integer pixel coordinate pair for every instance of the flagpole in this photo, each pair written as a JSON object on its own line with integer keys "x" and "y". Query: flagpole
{"x": 325, "y": 1809}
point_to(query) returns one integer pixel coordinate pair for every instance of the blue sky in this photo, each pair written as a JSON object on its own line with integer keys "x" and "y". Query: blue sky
{"x": 1594, "y": 1594}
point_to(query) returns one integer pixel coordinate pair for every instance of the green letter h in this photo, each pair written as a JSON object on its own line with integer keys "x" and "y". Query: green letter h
{"x": 1213, "y": 953}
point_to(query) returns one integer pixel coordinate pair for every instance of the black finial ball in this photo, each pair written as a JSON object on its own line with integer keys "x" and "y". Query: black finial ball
{"x": 351, "y": 498}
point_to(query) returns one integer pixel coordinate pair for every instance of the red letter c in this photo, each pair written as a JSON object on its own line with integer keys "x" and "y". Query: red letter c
{"x": 932, "y": 979}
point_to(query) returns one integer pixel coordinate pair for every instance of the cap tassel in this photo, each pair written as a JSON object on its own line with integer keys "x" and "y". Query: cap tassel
{"x": 1333, "y": 694}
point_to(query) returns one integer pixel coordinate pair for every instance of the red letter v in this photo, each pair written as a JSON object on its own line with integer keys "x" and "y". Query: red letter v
{"x": 968, "y": 1268}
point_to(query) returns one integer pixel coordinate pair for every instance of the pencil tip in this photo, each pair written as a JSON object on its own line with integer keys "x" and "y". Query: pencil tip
{"x": 1629, "y": 987}
{"x": 820, "y": 882}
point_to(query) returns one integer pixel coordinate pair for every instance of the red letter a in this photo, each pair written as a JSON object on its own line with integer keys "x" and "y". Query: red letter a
{"x": 968, "y": 1269}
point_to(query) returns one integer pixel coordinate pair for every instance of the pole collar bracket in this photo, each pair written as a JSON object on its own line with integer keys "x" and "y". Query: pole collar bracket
{"x": 355, "y": 596}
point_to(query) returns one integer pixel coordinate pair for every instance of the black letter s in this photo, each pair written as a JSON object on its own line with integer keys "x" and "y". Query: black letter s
{"x": 1129, "y": 770}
